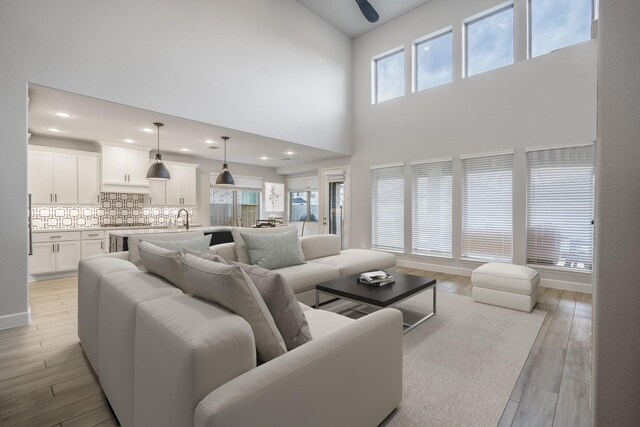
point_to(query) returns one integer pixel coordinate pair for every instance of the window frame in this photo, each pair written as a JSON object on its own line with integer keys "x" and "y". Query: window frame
{"x": 414, "y": 56}
{"x": 308, "y": 210}
{"x": 487, "y": 13}
{"x": 234, "y": 200}
{"x": 374, "y": 73}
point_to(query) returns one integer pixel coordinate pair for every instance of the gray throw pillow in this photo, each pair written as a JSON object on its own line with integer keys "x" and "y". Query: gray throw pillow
{"x": 198, "y": 244}
{"x": 230, "y": 287}
{"x": 241, "y": 250}
{"x": 205, "y": 255}
{"x": 282, "y": 304}
{"x": 163, "y": 262}
{"x": 273, "y": 250}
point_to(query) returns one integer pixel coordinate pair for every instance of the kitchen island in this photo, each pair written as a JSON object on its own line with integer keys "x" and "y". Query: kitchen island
{"x": 118, "y": 238}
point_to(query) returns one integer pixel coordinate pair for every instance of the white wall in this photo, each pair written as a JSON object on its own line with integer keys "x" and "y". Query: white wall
{"x": 269, "y": 67}
{"x": 616, "y": 328}
{"x": 549, "y": 100}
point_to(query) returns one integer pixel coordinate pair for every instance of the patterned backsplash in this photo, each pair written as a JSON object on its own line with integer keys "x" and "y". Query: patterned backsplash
{"x": 114, "y": 209}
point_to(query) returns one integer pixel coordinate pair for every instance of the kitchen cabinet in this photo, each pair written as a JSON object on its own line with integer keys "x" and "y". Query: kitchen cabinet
{"x": 124, "y": 169}
{"x": 54, "y": 252}
{"x": 53, "y": 177}
{"x": 67, "y": 255}
{"x": 180, "y": 190}
{"x": 43, "y": 259}
{"x": 88, "y": 179}
{"x": 93, "y": 243}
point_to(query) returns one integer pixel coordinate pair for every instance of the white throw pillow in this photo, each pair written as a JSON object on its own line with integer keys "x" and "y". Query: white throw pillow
{"x": 164, "y": 263}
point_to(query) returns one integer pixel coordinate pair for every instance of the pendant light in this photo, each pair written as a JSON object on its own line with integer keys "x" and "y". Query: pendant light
{"x": 158, "y": 170}
{"x": 225, "y": 177}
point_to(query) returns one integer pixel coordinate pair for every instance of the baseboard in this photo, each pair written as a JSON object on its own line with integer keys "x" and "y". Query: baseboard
{"x": 564, "y": 285}
{"x": 50, "y": 276}
{"x": 438, "y": 268}
{"x": 17, "y": 319}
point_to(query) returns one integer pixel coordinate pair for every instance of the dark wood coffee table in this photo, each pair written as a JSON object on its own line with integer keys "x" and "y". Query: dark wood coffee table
{"x": 405, "y": 286}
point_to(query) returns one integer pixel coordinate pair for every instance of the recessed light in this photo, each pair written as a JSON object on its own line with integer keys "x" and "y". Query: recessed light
{"x": 289, "y": 153}
{"x": 129, "y": 141}
{"x": 264, "y": 158}
{"x": 54, "y": 130}
{"x": 184, "y": 149}
{"x": 61, "y": 114}
{"x": 209, "y": 141}
{"x": 147, "y": 130}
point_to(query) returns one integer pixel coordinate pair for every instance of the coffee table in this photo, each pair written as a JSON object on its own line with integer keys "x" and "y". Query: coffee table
{"x": 405, "y": 286}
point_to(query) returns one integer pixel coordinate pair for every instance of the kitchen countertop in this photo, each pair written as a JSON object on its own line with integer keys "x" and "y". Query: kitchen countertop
{"x": 133, "y": 232}
{"x": 108, "y": 228}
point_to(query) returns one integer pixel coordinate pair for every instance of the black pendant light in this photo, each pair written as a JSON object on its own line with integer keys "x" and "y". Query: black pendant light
{"x": 225, "y": 177}
{"x": 158, "y": 170}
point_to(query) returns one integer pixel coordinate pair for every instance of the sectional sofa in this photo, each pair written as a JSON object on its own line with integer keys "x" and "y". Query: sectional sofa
{"x": 168, "y": 359}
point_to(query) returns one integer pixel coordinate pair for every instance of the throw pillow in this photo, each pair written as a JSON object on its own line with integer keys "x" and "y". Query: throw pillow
{"x": 241, "y": 250}
{"x": 273, "y": 250}
{"x": 230, "y": 287}
{"x": 282, "y": 304}
{"x": 205, "y": 255}
{"x": 163, "y": 262}
{"x": 198, "y": 244}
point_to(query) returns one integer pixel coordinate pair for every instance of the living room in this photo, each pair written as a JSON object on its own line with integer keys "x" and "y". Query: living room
{"x": 306, "y": 74}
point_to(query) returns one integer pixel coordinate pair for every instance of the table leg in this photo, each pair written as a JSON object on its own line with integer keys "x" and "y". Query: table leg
{"x": 434, "y": 299}
{"x": 317, "y": 300}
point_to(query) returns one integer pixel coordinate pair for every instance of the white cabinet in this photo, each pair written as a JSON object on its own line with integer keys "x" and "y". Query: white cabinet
{"x": 88, "y": 180}
{"x": 92, "y": 247}
{"x": 43, "y": 259}
{"x": 54, "y": 252}
{"x": 53, "y": 177}
{"x": 180, "y": 190}
{"x": 67, "y": 255}
{"x": 124, "y": 169}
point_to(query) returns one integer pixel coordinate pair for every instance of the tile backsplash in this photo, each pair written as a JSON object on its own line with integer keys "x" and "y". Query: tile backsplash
{"x": 114, "y": 209}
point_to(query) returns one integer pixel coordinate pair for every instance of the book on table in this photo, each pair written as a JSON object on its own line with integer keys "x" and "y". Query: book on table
{"x": 376, "y": 278}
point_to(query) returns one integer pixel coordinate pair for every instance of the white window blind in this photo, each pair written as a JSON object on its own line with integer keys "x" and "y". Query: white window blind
{"x": 560, "y": 207}
{"x": 431, "y": 206}
{"x": 487, "y": 207}
{"x": 387, "y": 208}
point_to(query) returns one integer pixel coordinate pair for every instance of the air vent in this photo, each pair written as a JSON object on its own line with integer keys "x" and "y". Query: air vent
{"x": 211, "y": 147}
{"x": 286, "y": 158}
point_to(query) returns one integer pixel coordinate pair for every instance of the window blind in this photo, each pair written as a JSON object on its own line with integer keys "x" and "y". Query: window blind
{"x": 560, "y": 207}
{"x": 431, "y": 208}
{"x": 487, "y": 207}
{"x": 387, "y": 208}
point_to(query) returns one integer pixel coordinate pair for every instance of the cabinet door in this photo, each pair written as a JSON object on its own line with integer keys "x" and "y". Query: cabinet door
{"x": 88, "y": 180}
{"x": 40, "y": 176}
{"x": 67, "y": 255}
{"x": 157, "y": 192}
{"x": 92, "y": 247}
{"x": 114, "y": 165}
{"x": 174, "y": 186}
{"x": 188, "y": 186}
{"x": 65, "y": 178}
{"x": 137, "y": 165}
{"x": 43, "y": 259}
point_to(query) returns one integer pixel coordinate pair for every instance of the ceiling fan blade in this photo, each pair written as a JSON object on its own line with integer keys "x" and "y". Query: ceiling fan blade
{"x": 368, "y": 11}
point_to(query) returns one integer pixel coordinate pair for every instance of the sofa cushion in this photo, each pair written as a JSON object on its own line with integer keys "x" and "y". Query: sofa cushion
{"x": 282, "y": 304}
{"x": 305, "y": 277}
{"x": 322, "y": 322}
{"x": 163, "y": 262}
{"x": 134, "y": 241}
{"x": 506, "y": 277}
{"x": 241, "y": 250}
{"x": 197, "y": 244}
{"x": 232, "y": 288}
{"x": 273, "y": 250}
{"x": 356, "y": 261}
{"x": 320, "y": 245}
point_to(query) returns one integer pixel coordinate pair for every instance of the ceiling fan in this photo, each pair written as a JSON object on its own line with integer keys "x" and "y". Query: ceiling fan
{"x": 368, "y": 11}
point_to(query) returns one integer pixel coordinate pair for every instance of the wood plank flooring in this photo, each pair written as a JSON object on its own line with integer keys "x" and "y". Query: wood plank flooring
{"x": 45, "y": 380}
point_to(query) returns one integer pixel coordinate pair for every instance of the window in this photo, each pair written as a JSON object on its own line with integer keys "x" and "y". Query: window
{"x": 489, "y": 41}
{"x": 487, "y": 207}
{"x": 388, "y": 76}
{"x": 234, "y": 207}
{"x": 431, "y": 203}
{"x": 560, "y": 207}
{"x": 303, "y": 206}
{"x": 433, "y": 61}
{"x": 555, "y": 24}
{"x": 387, "y": 208}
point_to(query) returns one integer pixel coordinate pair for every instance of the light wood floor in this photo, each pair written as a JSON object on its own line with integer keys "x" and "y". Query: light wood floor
{"x": 45, "y": 380}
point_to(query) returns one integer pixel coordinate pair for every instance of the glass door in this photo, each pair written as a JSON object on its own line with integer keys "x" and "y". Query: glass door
{"x": 336, "y": 207}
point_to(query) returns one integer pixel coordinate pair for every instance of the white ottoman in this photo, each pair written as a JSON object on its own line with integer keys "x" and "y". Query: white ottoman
{"x": 506, "y": 285}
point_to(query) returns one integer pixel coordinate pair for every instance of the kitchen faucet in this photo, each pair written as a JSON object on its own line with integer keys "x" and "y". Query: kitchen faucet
{"x": 186, "y": 213}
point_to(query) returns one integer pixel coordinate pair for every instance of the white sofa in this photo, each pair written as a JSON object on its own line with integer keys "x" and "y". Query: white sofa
{"x": 168, "y": 359}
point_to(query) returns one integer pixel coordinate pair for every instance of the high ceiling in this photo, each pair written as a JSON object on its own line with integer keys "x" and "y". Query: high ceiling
{"x": 97, "y": 120}
{"x": 345, "y": 14}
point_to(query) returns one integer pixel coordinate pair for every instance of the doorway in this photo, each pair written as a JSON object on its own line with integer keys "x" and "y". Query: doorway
{"x": 336, "y": 203}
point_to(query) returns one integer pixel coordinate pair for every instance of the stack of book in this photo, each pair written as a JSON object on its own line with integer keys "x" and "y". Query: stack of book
{"x": 376, "y": 278}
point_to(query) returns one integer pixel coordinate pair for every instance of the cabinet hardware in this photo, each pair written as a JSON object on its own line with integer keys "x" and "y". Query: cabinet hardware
{"x": 93, "y": 234}
{"x": 53, "y": 247}
{"x": 56, "y": 197}
{"x": 51, "y": 197}
{"x": 55, "y": 237}
{"x": 101, "y": 244}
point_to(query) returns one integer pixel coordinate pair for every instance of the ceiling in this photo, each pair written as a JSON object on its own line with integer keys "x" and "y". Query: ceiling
{"x": 97, "y": 120}
{"x": 346, "y": 16}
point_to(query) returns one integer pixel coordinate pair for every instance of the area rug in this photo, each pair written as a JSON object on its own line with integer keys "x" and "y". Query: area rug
{"x": 460, "y": 366}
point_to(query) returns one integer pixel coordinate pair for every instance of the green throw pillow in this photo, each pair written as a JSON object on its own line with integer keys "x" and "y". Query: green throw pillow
{"x": 273, "y": 250}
